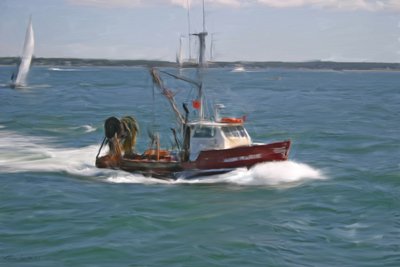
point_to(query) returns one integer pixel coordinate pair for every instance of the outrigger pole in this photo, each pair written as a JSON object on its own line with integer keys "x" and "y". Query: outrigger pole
{"x": 167, "y": 93}
{"x": 170, "y": 96}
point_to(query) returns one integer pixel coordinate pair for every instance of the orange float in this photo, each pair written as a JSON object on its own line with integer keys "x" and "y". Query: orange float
{"x": 232, "y": 120}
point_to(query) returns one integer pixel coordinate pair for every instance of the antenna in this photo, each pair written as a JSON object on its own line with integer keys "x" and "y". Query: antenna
{"x": 189, "y": 34}
{"x": 204, "y": 19}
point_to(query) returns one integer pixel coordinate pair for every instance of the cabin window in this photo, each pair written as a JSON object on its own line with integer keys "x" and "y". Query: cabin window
{"x": 234, "y": 131}
{"x": 204, "y": 132}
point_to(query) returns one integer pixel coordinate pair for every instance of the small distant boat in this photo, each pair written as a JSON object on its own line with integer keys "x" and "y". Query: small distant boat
{"x": 18, "y": 79}
{"x": 239, "y": 69}
{"x": 179, "y": 54}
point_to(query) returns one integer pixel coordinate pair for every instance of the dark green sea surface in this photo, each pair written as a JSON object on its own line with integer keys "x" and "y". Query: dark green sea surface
{"x": 336, "y": 202}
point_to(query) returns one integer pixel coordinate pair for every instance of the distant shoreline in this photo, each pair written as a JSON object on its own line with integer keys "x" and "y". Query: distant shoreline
{"x": 309, "y": 65}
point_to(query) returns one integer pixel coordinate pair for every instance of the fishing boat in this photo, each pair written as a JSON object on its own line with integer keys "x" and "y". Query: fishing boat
{"x": 204, "y": 145}
{"x": 18, "y": 79}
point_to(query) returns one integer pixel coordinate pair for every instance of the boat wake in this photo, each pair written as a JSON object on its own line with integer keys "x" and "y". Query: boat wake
{"x": 283, "y": 173}
{"x": 20, "y": 153}
{"x": 274, "y": 174}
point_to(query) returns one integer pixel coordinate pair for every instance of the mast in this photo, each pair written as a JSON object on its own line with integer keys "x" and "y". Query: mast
{"x": 202, "y": 42}
{"x": 202, "y": 48}
{"x": 204, "y": 19}
{"x": 188, "y": 18}
{"x": 202, "y": 62}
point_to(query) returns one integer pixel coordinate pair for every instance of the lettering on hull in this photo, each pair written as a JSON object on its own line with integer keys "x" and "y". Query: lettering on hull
{"x": 241, "y": 158}
{"x": 280, "y": 150}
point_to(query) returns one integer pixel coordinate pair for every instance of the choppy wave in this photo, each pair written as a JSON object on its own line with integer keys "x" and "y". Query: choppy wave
{"x": 4, "y": 85}
{"x": 25, "y": 87}
{"x": 87, "y": 128}
{"x": 20, "y": 153}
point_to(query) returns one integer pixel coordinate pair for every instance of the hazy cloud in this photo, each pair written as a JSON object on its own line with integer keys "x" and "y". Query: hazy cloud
{"x": 368, "y": 5}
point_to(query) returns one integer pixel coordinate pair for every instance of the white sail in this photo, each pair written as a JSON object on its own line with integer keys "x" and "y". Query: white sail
{"x": 179, "y": 55}
{"x": 26, "y": 58}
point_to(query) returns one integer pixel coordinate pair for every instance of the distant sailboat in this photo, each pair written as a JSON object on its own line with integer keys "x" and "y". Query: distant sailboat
{"x": 201, "y": 38}
{"x": 179, "y": 54}
{"x": 19, "y": 79}
{"x": 212, "y": 48}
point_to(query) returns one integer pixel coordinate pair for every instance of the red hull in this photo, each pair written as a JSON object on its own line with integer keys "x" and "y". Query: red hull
{"x": 210, "y": 161}
{"x": 239, "y": 157}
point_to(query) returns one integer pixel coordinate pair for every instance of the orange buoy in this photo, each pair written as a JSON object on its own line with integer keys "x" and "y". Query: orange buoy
{"x": 232, "y": 120}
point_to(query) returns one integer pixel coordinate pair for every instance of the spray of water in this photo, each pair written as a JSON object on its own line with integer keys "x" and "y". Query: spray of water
{"x": 33, "y": 154}
{"x": 286, "y": 173}
{"x": 30, "y": 154}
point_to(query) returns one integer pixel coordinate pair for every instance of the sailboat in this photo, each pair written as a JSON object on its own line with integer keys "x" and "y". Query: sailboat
{"x": 179, "y": 54}
{"x": 19, "y": 79}
{"x": 188, "y": 61}
{"x": 204, "y": 145}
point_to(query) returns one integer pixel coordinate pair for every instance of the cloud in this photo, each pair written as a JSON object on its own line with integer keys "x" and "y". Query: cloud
{"x": 107, "y": 4}
{"x": 147, "y": 3}
{"x": 366, "y": 5}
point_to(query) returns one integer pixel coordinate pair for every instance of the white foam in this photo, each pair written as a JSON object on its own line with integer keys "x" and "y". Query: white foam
{"x": 285, "y": 173}
{"x": 26, "y": 153}
{"x": 87, "y": 128}
{"x": 120, "y": 177}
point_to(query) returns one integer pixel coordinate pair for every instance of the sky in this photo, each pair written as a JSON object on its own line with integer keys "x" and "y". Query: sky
{"x": 238, "y": 30}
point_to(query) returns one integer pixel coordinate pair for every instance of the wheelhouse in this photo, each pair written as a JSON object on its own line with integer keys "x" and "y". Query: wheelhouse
{"x": 214, "y": 135}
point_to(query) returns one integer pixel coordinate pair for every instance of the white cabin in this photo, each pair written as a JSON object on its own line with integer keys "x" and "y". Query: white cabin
{"x": 209, "y": 135}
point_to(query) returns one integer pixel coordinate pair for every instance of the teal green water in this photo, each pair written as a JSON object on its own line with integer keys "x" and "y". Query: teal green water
{"x": 336, "y": 202}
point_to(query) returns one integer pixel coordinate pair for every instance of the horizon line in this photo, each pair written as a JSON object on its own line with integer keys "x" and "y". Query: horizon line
{"x": 213, "y": 61}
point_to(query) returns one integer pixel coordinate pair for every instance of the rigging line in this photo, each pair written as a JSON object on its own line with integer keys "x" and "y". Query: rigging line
{"x": 179, "y": 77}
{"x": 167, "y": 93}
{"x": 153, "y": 111}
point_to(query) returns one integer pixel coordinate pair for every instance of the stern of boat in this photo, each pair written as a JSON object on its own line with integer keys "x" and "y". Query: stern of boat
{"x": 108, "y": 162}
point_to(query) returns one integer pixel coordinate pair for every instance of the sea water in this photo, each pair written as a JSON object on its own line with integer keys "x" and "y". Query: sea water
{"x": 336, "y": 202}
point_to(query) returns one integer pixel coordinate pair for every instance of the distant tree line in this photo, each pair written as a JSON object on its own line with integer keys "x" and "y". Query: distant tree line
{"x": 328, "y": 65}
